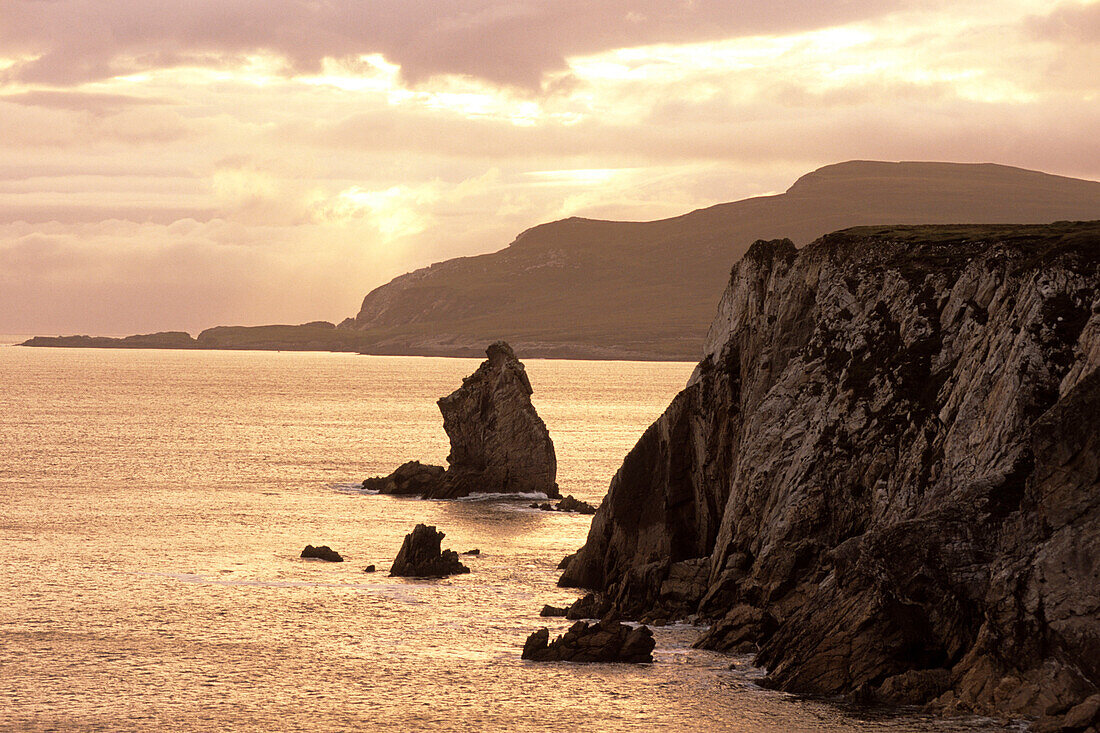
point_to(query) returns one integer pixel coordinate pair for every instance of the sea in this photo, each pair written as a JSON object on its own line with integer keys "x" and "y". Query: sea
{"x": 153, "y": 505}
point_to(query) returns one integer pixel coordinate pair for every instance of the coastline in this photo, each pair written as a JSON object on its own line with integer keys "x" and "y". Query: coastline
{"x": 179, "y": 340}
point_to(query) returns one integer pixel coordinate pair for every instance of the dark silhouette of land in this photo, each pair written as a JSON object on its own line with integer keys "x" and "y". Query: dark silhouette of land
{"x": 584, "y": 288}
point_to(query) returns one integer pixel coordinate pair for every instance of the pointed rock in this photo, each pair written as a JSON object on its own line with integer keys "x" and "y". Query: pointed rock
{"x": 420, "y": 556}
{"x": 499, "y": 444}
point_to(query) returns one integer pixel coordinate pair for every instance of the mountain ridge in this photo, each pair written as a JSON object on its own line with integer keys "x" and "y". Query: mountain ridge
{"x": 644, "y": 290}
{"x": 678, "y": 265}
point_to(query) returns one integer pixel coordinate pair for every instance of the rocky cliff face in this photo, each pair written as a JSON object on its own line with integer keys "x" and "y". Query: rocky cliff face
{"x": 883, "y": 475}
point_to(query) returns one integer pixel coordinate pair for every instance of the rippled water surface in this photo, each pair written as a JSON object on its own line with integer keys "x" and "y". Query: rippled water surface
{"x": 153, "y": 505}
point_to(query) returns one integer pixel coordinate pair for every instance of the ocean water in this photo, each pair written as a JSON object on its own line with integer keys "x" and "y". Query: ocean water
{"x": 153, "y": 505}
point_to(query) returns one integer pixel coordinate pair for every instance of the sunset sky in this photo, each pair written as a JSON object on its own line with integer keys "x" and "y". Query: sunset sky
{"x": 177, "y": 164}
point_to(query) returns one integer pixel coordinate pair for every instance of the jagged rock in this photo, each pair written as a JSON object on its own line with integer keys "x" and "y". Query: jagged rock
{"x": 605, "y": 641}
{"x": 1083, "y": 715}
{"x": 420, "y": 556}
{"x": 324, "y": 552}
{"x": 474, "y": 551}
{"x": 499, "y": 444}
{"x": 569, "y": 504}
{"x": 590, "y": 606}
{"x": 915, "y": 687}
{"x": 411, "y": 478}
{"x": 549, "y": 611}
{"x": 369, "y": 569}
{"x": 889, "y": 459}
{"x": 737, "y": 630}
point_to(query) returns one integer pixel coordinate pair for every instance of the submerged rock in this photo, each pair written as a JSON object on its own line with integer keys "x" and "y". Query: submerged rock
{"x": 421, "y": 557}
{"x": 499, "y": 444}
{"x": 411, "y": 478}
{"x": 885, "y": 472}
{"x": 324, "y": 552}
{"x": 604, "y": 641}
{"x": 551, "y": 611}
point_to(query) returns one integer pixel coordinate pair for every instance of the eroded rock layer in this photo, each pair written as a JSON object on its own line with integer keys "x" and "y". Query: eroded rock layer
{"x": 884, "y": 473}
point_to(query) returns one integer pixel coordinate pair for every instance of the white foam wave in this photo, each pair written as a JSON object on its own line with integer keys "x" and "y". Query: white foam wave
{"x": 513, "y": 496}
{"x": 350, "y": 488}
{"x": 345, "y": 487}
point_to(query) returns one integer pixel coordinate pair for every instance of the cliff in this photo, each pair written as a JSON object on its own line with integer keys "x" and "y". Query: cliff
{"x": 883, "y": 475}
{"x": 646, "y": 290}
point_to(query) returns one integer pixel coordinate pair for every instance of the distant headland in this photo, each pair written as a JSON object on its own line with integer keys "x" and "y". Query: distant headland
{"x": 589, "y": 289}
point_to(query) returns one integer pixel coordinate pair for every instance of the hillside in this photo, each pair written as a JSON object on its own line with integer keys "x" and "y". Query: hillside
{"x": 582, "y": 287}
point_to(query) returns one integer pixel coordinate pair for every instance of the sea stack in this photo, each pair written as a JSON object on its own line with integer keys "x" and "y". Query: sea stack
{"x": 499, "y": 444}
{"x": 420, "y": 556}
{"x": 885, "y": 473}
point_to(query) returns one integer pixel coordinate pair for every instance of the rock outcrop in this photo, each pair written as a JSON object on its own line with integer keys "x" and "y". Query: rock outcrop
{"x": 420, "y": 556}
{"x": 604, "y": 641}
{"x": 499, "y": 444}
{"x": 568, "y": 504}
{"x": 885, "y": 473}
{"x": 410, "y": 479}
{"x": 324, "y": 552}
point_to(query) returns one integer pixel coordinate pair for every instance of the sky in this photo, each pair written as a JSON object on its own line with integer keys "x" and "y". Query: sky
{"x": 179, "y": 164}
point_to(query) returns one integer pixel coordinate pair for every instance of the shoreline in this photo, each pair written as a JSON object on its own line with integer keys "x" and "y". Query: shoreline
{"x": 570, "y": 352}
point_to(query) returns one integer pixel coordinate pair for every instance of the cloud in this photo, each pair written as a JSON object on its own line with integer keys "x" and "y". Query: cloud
{"x": 181, "y": 164}
{"x": 71, "y": 122}
{"x": 96, "y": 103}
{"x": 1072, "y": 22}
{"x": 514, "y": 42}
{"x": 116, "y": 276}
